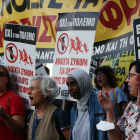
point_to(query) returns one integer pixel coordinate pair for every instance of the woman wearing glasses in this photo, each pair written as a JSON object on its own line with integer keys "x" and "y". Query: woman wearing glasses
{"x": 128, "y": 126}
{"x": 47, "y": 122}
{"x": 105, "y": 80}
{"x": 12, "y": 109}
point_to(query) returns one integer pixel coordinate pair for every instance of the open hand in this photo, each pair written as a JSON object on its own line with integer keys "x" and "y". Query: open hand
{"x": 105, "y": 101}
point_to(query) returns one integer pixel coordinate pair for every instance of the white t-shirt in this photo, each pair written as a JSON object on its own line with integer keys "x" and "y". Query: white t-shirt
{"x": 81, "y": 129}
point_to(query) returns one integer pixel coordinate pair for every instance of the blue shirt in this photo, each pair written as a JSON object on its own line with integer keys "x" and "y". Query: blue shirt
{"x": 62, "y": 121}
{"x": 120, "y": 98}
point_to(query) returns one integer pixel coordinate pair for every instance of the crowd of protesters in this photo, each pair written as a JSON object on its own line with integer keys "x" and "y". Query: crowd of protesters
{"x": 48, "y": 122}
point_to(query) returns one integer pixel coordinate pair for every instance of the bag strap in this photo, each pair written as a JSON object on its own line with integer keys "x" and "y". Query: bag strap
{"x": 120, "y": 112}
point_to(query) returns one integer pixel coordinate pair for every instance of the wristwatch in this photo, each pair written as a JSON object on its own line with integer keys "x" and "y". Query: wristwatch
{"x": 138, "y": 110}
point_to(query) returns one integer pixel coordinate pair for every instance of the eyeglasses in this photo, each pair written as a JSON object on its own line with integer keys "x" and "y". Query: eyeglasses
{"x": 33, "y": 88}
{"x": 100, "y": 75}
{"x": 2, "y": 74}
{"x": 130, "y": 75}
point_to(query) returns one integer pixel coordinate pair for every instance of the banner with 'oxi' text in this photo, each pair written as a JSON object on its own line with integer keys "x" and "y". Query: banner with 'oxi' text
{"x": 73, "y": 50}
{"x": 19, "y": 58}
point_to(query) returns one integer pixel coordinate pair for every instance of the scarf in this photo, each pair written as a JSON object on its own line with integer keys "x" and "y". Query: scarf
{"x": 85, "y": 86}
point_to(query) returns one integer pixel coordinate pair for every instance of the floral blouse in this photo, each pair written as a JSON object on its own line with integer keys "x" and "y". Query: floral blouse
{"x": 129, "y": 123}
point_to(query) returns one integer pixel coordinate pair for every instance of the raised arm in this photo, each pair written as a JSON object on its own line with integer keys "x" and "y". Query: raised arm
{"x": 107, "y": 103}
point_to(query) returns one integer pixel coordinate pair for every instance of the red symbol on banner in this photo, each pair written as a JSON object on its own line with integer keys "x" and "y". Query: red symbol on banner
{"x": 24, "y": 57}
{"x": 11, "y": 52}
{"x": 62, "y": 43}
{"x": 76, "y": 45}
{"x": 85, "y": 47}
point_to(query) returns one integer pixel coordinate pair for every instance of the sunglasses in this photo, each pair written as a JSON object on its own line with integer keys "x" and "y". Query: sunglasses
{"x": 2, "y": 73}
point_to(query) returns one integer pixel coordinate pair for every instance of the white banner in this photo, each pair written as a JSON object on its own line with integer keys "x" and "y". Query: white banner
{"x": 74, "y": 44}
{"x": 19, "y": 58}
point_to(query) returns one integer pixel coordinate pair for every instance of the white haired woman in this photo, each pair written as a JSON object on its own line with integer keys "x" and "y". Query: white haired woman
{"x": 46, "y": 122}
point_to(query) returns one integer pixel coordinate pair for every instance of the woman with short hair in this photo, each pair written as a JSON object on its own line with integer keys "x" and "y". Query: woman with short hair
{"x": 46, "y": 122}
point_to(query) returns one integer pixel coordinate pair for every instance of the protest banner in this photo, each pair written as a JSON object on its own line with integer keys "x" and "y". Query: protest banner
{"x": 114, "y": 29}
{"x": 75, "y": 38}
{"x": 136, "y": 32}
{"x": 93, "y": 64}
{"x": 112, "y": 46}
{"x": 40, "y": 70}
{"x": 19, "y": 58}
{"x": 114, "y": 32}
{"x": 120, "y": 64}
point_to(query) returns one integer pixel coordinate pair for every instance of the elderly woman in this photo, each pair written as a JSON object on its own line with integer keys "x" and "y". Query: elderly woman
{"x": 128, "y": 126}
{"x": 12, "y": 110}
{"x": 87, "y": 112}
{"x": 46, "y": 122}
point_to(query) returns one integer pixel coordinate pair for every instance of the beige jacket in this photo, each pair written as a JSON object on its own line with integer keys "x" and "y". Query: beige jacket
{"x": 46, "y": 129}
